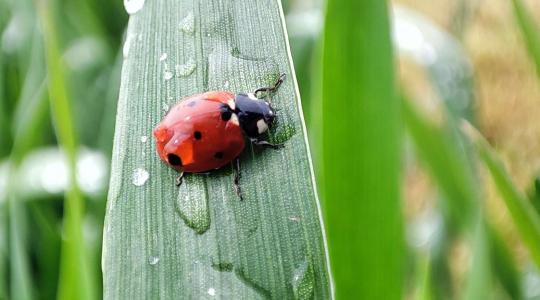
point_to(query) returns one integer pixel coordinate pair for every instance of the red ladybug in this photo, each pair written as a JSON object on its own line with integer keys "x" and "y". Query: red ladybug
{"x": 206, "y": 131}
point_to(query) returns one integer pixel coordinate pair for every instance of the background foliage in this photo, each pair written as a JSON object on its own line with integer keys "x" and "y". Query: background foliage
{"x": 437, "y": 208}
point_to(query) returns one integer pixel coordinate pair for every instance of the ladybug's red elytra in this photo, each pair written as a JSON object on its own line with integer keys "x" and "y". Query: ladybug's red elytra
{"x": 207, "y": 131}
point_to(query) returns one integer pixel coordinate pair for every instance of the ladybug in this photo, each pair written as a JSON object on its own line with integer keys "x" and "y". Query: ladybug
{"x": 207, "y": 131}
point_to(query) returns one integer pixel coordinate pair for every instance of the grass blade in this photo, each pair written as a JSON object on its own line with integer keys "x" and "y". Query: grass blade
{"x": 440, "y": 149}
{"x": 199, "y": 239}
{"x": 504, "y": 265}
{"x": 75, "y": 279}
{"x": 522, "y": 211}
{"x": 529, "y": 30}
{"x": 361, "y": 150}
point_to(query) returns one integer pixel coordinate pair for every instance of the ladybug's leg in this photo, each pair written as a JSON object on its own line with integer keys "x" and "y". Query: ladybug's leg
{"x": 270, "y": 89}
{"x": 266, "y": 144}
{"x": 236, "y": 166}
{"x": 178, "y": 180}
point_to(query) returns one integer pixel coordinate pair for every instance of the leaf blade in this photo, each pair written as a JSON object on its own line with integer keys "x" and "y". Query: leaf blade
{"x": 252, "y": 247}
{"x": 361, "y": 145}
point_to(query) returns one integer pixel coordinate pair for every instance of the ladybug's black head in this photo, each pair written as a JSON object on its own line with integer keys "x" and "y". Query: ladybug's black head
{"x": 254, "y": 115}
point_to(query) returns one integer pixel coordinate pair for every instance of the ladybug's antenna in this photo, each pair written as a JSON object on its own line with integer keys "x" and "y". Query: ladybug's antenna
{"x": 271, "y": 89}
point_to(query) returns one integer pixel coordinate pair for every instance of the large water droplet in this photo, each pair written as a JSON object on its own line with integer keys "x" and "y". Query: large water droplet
{"x": 163, "y": 57}
{"x": 186, "y": 69}
{"x": 140, "y": 176}
{"x": 187, "y": 24}
{"x": 212, "y": 291}
{"x": 303, "y": 281}
{"x": 192, "y": 205}
{"x": 133, "y": 6}
{"x": 167, "y": 75}
{"x": 153, "y": 260}
{"x": 252, "y": 284}
{"x": 144, "y": 139}
{"x": 282, "y": 133}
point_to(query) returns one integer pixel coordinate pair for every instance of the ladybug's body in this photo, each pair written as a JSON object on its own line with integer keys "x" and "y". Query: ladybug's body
{"x": 201, "y": 133}
{"x": 207, "y": 131}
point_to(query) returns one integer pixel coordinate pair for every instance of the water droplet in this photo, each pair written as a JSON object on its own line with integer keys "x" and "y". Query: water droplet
{"x": 303, "y": 281}
{"x": 153, "y": 260}
{"x": 211, "y": 291}
{"x": 133, "y": 6}
{"x": 281, "y": 134}
{"x": 163, "y": 57}
{"x": 144, "y": 139}
{"x": 223, "y": 266}
{"x": 192, "y": 204}
{"x": 208, "y": 34}
{"x": 140, "y": 176}
{"x": 295, "y": 218}
{"x": 186, "y": 69}
{"x": 167, "y": 75}
{"x": 187, "y": 24}
{"x": 165, "y": 107}
{"x": 252, "y": 284}
{"x": 226, "y": 85}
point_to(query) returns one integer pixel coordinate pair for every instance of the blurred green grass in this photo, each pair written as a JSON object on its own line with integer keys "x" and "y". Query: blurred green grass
{"x": 33, "y": 230}
{"x": 361, "y": 151}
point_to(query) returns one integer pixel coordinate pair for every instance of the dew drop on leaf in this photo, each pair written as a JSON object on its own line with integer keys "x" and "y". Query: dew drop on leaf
{"x": 211, "y": 291}
{"x": 186, "y": 69}
{"x": 167, "y": 75}
{"x": 303, "y": 281}
{"x": 295, "y": 218}
{"x": 133, "y": 6}
{"x": 187, "y": 24}
{"x": 165, "y": 107}
{"x": 163, "y": 57}
{"x": 192, "y": 205}
{"x": 153, "y": 260}
{"x": 140, "y": 176}
{"x": 144, "y": 139}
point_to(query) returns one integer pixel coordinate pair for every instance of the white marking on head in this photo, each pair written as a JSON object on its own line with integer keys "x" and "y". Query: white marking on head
{"x": 252, "y": 96}
{"x": 234, "y": 120}
{"x": 231, "y": 104}
{"x": 261, "y": 126}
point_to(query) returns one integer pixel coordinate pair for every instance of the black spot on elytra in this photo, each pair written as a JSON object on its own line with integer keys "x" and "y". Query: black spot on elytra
{"x": 218, "y": 155}
{"x": 226, "y": 112}
{"x": 197, "y": 135}
{"x": 174, "y": 159}
{"x": 192, "y": 103}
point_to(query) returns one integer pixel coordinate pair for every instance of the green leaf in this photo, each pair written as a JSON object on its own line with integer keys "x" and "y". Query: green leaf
{"x": 200, "y": 239}
{"x": 441, "y": 149}
{"x": 504, "y": 265}
{"x": 521, "y": 210}
{"x": 361, "y": 152}
{"x": 478, "y": 283}
{"x": 529, "y": 30}
{"x": 75, "y": 280}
